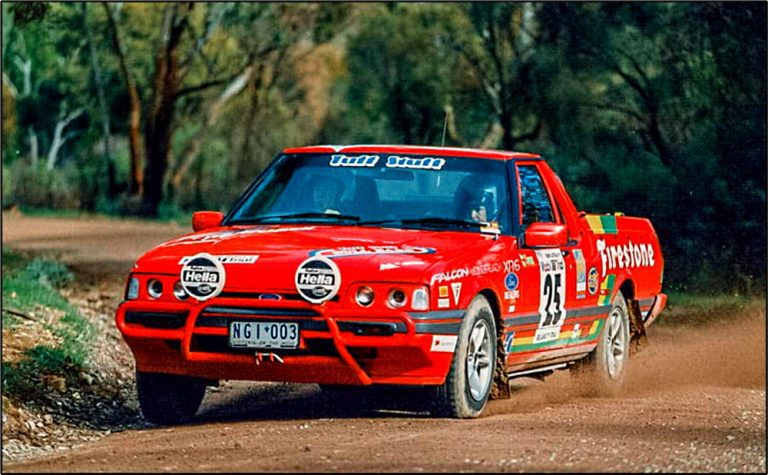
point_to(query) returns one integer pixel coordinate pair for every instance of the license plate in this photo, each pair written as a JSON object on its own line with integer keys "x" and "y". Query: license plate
{"x": 263, "y": 335}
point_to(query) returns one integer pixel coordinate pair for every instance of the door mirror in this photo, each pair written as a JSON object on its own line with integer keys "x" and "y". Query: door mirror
{"x": 546, "y": 235}
{"x": 206, "y": 219}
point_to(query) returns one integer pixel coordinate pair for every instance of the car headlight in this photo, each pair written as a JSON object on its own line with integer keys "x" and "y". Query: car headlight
{"x": 155, "y": 288}
{"x": 179, "y": 292}
{"x": 364, "y": 296}
{"x": 132, "y": 292}
{"x": 397, "y": 298}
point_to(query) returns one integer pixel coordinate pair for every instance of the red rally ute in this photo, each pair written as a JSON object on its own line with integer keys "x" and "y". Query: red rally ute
{"x": 392, "y": 265}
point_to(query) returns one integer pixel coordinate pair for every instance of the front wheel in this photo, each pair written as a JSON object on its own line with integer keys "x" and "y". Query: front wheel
{"x": 468, "y": 384}
{"x": 606, "y": 366}
{"x": 169, "y": 398}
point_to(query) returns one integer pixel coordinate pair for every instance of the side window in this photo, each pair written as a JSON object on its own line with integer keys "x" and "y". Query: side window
{"x": 536, "y": 204}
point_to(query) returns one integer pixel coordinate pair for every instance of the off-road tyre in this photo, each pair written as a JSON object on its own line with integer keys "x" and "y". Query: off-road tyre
{"x": 469, "y": 382}
{"x": 604, "y": 370}
{"x": 168, "y": 399}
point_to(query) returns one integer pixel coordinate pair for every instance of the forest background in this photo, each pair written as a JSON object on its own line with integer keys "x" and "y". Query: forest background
{"x": 153, "y": 109}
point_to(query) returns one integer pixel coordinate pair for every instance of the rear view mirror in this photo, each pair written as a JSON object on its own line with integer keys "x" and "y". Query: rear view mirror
{"x": 206, "y": 219}
{"x": 546, "y": 235}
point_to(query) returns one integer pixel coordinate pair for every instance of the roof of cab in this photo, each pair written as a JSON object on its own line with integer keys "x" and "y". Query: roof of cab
{"x": 414, "y": 150}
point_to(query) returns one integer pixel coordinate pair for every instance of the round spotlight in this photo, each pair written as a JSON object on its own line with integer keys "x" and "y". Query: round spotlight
{"x": 364, "y": 296}
{"x": 397, "y": 298}
{"x": 179, "y": 292}
{"x": 154, "y": 288}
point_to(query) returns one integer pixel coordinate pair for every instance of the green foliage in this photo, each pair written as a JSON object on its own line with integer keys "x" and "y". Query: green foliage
{"x": 652, "y": 109}
{"x": 51, "y": 273}
{"x": 28, "y": 288}
{"x": 36, "y": 186}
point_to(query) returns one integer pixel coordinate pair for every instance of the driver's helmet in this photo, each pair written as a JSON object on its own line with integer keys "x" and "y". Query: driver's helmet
{"x": 477, "y": 198}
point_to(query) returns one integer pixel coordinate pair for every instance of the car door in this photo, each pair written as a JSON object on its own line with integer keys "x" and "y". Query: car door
{"x": 550, "y": 283}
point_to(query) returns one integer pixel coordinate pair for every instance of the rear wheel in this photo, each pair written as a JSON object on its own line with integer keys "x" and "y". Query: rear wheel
{"x": 169, "y": 398}
{"x": 606, "y": 366}
{"x": 470, "y": 378}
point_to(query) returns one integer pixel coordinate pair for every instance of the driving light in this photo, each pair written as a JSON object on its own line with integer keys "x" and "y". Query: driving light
{"x": 154, "y": 288}
{"x": 397, "y": 298}
{"x": 420, "y": 299}
{"x": 364, "y": 296}
{"x": 133, "y": 289}
{"x": 179, "y": 292}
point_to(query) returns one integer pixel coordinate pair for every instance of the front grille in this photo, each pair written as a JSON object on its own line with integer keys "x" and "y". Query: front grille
{"x": 221, "y": 317}
{"x": 165, "y": 320}
{"x": 258, "y": 296}
{"x": 220, "y": 344}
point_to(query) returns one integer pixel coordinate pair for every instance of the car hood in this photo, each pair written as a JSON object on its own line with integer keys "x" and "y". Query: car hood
{"x": 267, "y": 257}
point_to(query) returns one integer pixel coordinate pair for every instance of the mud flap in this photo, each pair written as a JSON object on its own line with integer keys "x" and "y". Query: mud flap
{"x": 500, "y": 387}
{"x": 637, "y": 334}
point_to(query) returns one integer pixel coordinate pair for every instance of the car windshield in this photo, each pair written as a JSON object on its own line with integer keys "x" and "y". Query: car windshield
{"x": 402, "y": 191}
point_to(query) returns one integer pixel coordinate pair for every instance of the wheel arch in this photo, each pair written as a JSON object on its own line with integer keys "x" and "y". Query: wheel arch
{"x": 500, "y": 385}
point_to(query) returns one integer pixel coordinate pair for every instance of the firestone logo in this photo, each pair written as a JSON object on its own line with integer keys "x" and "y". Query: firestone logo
{"x": 625, "y": 255}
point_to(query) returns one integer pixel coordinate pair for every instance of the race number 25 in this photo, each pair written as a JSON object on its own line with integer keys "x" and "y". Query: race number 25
{"x": 551, "y": 295}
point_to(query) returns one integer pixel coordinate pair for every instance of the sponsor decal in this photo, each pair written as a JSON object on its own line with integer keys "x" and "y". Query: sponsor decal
{"x": 203, "y": 276}
{"x": 318, "y": 279}
{"x": 551, "y": 295}
{"x": 427, "y": 163}
{"x": 511, "y": 308}
{"x": 233, "y": 259}
{"x": 592, "y": 281}
{"x": 450, "y": 275}
{"x": 350, "y": 251}
{"x": 527, "y": 260}
{"x": 443, "y": 343}
{"x": 485, "y": 268}
{"x": 358, "y": 161}
{"x": 509, "y": 339}
{"x": 622, "y": 256}
{"x": 221, "y": 235}
{"x": 512, "y": 295}
{"x": 456, "y": 288}
{"x": 512, "y": 265}
{"x": 606, "y": 289}
{"x": 443, "y": 291}
{"x": 602, "y": 224}
{"x": 443, "y": 303}
{"x": 581, "y": 274}
{"x": 511, "y": 281}
{"x": 475, "y": 271}
{"x": 397, "y": 265}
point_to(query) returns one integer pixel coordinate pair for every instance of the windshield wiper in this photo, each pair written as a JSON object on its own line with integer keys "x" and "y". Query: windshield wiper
{"x": 309, "y": 215}
{"x": 430, "y": 221}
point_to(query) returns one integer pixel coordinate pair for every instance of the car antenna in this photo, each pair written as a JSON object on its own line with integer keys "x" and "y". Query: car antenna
{"x": 445, "y": 125}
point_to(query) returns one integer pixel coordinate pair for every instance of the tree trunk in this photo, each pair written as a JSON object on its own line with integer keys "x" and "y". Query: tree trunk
{"x": 59, "y": 139}
{"x": 134, "y": 105}
{"x": 109, "y": 164}
{"x": 191, "y": 150}
{"x": 159, "y": 126}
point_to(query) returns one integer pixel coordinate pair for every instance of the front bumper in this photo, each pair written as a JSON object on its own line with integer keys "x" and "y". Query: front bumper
{"x": 337, "y": 345}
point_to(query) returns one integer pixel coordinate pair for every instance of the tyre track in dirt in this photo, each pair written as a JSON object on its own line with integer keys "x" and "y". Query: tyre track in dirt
{"x": 695, "y": 401}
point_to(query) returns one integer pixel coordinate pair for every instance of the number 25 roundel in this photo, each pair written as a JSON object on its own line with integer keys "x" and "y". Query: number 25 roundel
{"x": 551, "y": 295}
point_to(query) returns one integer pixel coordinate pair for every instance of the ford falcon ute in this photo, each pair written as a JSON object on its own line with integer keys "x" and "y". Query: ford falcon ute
{"x": 451, "y": 269}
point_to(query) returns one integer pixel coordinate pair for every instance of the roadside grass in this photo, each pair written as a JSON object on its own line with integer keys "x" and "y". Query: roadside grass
{"x": 30, "y": 288}
{"x": 684, "y": 308}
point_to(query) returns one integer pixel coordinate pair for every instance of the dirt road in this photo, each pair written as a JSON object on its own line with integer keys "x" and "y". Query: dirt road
{"x": 695, "y": 402}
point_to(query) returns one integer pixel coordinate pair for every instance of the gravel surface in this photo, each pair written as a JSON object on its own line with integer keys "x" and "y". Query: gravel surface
{"x": 695, "y": 402}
